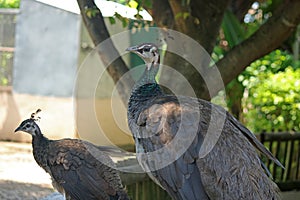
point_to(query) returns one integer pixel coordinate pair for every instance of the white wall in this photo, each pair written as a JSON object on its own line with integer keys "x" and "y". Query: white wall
{"x": 46, "y": 52}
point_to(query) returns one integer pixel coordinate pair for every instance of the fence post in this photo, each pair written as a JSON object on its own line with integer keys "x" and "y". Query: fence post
{"x": 262, "y": 136}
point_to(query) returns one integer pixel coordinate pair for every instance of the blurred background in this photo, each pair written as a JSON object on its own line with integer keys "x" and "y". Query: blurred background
{"x": 48, "y": 61}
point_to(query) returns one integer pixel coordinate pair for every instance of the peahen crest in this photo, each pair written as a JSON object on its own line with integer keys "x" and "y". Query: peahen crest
{"x": 34, "y": 115}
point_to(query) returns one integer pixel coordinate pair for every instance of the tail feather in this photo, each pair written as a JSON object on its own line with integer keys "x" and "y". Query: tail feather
{"x": 254, "y": 141}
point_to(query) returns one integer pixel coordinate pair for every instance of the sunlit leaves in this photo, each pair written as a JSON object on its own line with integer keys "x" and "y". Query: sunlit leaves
{"x": 9, "y": 3}
{"x": 274, "y": 62}
{"x": 139, "y": 21}
{"x": 91, "y": 12}
{"x": 272, "y": 100}
{"x": 183, "y": 15}
{"x": 5, "y": 68}
{"x": 133, "y": 4}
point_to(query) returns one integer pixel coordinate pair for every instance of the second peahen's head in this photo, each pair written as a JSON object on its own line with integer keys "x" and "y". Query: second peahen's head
{"x": 29, "y": 125}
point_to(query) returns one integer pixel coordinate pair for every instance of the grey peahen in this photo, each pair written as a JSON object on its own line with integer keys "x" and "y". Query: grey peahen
{"x": 162, "y": 126}
{"x": 79, "y": 169}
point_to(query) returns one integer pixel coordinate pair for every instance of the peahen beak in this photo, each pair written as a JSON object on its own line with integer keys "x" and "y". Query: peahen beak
{"x": 18, "y": 129}
{"x": 132, "y": 49}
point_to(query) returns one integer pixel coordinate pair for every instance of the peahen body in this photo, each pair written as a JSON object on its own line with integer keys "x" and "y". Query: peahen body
{"x": 79, "y": 169}
{"x": 169, "y": 132}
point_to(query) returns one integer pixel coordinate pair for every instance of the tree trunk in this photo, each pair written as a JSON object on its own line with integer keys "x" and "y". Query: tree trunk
{"x": 203, "y": 25}
{"x": 234, "y": 96}
{"x": 240, "y": 8}
{"x": 106, "y": 49}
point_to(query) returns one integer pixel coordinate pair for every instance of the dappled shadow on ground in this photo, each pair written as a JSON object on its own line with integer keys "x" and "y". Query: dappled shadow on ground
{"x": 11, "y": 190}
{"x": 20, "y": 176}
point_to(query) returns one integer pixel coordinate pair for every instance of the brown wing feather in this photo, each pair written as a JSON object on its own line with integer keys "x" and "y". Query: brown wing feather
{"x": 76, "y": 168}
{"x": 230, "y": 169}
{"x": 159, "y": 125}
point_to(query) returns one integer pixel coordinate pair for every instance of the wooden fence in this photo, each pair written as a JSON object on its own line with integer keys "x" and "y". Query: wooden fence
{"x": 286, "y": 147}
{"x": 139, "y": 185}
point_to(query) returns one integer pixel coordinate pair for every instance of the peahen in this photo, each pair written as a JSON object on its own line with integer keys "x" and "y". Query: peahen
{"x": 162, "y": 126}
{"x": 79, "y": 169}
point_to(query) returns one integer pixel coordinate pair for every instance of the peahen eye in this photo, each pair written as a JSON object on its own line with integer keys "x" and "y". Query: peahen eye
{"x": 146, "y": 49}
{"x": 27, "y": 126}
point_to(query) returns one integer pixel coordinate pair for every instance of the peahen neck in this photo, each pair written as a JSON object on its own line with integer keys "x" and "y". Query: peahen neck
{"x": 145, "y": 89}
{"x": 40, "y": 147}
{"x": 39, "y": 141}
{"x": 148, "y": 77}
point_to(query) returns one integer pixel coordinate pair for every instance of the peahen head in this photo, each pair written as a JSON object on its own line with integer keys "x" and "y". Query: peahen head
{"x": 148, "y": 52}
{"x": 29, "y": 125}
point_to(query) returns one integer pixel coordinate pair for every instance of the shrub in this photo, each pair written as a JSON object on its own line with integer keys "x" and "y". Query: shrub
{"x": 272, "y": 100}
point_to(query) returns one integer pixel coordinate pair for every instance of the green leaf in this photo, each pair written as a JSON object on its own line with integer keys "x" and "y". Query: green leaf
{"x": 184, "y": 15}
{"x": 273, "y": 100}
{"x": 124, "y": 20}
{"x": 9, "y": 3}
{"x": 91, "y": 12}
{"x": 233, "y": 30}
{"x": 112, "y": 20}
{"x": 133, "y": 4}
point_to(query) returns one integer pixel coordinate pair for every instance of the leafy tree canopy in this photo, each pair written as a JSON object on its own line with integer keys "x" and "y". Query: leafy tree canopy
{"x": 9, "y": 3}
{"x": 272, "y": 95}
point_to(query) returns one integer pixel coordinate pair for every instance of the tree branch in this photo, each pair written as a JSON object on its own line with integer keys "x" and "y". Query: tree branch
{"x": 202, "y": 24}
{"x": 210, "y": 14}
{"x": 264, "y": 40}
{"x": 240, "y": 8}
{"x": 162, "y": 13}
{"x": 98, "y": 32}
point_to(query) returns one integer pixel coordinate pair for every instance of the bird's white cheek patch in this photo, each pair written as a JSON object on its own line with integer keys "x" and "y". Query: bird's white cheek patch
{"x": 149, "y": 66}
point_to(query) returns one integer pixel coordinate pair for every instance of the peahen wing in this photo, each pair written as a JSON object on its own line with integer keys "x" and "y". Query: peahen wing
{"x": 229, "y": 165}
{"x": 232, "y": 169}
{"x": 82, "y": 174}
{"x": 253, "y": 140}
{"x": 167, "y": 146}
{"x": 210, "y": 155}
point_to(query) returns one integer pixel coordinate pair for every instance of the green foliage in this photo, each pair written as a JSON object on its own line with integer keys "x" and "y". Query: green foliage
{"x": 183, "y": 15}
{"x": 136, "y": 4}
{"x": 273, "y": 93}
{"x": 234, "y": 31}
{"x": 143, "y": 3}
{"x": 9, "y": 3}
{"x": 5, "y": 68}
{"x": 274, "y": 62}
{"x": 91, "y": 12}
{"x": 270, "y": 83}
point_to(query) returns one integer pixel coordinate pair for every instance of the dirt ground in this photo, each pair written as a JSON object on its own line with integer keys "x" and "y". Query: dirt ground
{"x": 20, "y": 177}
